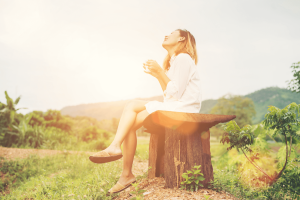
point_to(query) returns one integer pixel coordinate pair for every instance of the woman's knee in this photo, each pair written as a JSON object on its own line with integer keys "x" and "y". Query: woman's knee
{"x": 130, "y": 105}
{"x": 135, "y": 105}
{"x": 141, "y": 116}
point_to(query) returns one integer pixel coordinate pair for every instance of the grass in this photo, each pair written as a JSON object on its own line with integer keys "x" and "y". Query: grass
{"x": 142, "y": 149}
{"x": 70, "y": 176}
{"x": 63, "y": 176}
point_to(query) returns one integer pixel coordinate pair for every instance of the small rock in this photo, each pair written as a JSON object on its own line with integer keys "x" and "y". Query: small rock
{"x": 146, "y": 193}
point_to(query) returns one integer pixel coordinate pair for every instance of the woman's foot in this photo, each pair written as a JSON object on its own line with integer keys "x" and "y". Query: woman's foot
{"x": 126, "y": 179}
{"x": 109, "y": 154}
{"x": 113, "y": 150}
{"x": 123, "y": 183}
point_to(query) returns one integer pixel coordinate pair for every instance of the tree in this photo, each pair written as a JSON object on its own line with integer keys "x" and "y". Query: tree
{"x": 284, "y": 121}
{"x": 242, "y": 107}
{"x": 294, "y": 84}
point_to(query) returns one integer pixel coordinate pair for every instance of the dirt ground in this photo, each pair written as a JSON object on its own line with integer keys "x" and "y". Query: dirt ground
{"x": 155, "y": 188}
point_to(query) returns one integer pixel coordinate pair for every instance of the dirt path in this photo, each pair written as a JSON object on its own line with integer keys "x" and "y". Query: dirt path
{"x": 155, "y": 188}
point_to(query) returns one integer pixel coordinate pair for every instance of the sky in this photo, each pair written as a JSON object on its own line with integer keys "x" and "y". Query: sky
{"x": 68, "y": 52}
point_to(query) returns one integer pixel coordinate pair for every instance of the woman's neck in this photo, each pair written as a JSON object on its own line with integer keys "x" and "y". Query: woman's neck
{"x": 171, "y": 50}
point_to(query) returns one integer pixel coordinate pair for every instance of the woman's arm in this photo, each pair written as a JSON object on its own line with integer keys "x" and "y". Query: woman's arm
{"x": 163, "y": 79}
{"x": 182, "y": 70}
{"x": 181, "y": 75}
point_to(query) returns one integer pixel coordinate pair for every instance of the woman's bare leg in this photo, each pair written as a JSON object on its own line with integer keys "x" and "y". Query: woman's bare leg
{"x": 127, "y": 121}
{"x": 129, "y": 148}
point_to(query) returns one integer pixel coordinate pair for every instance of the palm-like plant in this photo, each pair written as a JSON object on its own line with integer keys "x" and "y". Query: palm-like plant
{"x": 8, "y": 111}
{"x": 8, "y": 118}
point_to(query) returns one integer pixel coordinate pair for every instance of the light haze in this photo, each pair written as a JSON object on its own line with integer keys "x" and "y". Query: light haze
{"x": 63, "y": 53}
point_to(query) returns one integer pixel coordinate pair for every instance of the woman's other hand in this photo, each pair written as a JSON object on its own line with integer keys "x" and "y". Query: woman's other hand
{"x": 153, "y": 67}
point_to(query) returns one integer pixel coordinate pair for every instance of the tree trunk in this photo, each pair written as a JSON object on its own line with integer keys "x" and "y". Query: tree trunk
{"x": 178, "y": 142}
{"x": 182, "y": 152}
{"x": 156, "y": 155}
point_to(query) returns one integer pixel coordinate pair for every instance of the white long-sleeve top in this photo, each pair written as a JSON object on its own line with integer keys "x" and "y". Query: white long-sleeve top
{"x": 183, "y": 91}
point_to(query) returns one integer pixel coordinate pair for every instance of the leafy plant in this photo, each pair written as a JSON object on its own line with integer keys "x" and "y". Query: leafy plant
{"x": 241, "y": 138}
{"x": 8, "y": 118}
{"x": 286, "y": 122}
{"x": 294, "y": 84}
{"x": 192, "y": 179}
{"x": 138, "y": 192}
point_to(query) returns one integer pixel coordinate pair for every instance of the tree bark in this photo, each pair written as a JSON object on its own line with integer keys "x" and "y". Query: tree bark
{"x": 182, "y": 152}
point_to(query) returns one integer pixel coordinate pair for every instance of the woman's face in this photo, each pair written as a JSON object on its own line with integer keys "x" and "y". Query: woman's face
{"x": 172, "y": 39}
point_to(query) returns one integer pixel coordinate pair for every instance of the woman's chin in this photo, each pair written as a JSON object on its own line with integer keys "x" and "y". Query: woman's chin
{"x": 164, "y": 44}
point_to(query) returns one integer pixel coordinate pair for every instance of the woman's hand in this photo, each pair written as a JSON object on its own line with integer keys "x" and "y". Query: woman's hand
{"x": 153, "y": 67}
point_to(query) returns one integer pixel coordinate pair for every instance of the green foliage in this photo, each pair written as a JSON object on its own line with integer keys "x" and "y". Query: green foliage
{"x": 192, "y": 178}
{"x": 92, "y": 133}
{"x": 8, "y": 118}
{"x": 49, "y": 130}
{"x": 241, "y": 138}
{"x": 284, "y": 121}
{"x": 290, "y": 179}
{"x": 242, "y": 107}
{"x": 138, "y": 192}
{"x": 286, "y": 187}
{"x": 294, "y": 84}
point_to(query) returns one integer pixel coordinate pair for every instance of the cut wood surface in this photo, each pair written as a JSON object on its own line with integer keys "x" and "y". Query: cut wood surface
{"x": 184, "y": 122}
{"x": 179, "y": 141}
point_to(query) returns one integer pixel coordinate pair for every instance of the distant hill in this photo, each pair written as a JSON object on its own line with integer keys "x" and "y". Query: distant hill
{"x": 263, "y": 98}
{"x": 275, "y": 96}
{"x": 102, "y": 110}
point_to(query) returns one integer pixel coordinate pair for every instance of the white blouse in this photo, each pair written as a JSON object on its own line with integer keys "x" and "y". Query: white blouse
{"x": 183, "y": 91}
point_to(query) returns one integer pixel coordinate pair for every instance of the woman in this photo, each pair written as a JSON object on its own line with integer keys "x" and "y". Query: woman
{"x": 179, "y": 80}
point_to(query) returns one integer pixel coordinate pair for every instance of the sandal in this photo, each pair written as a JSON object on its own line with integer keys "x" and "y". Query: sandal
{"x": 104, "y": 157}
{"x": 119, "y": 187}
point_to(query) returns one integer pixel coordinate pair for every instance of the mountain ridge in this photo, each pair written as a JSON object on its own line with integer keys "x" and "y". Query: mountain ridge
{"x": 279, "y": 97}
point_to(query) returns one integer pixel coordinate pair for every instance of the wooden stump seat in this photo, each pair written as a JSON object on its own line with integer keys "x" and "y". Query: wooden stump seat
{"x": 180, "y": 141}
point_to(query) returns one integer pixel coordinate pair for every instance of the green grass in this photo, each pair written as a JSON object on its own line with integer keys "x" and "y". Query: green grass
{"x": 61, "y": 177}
{"x": 142, "y": 149}
{"x": 64, "y": 176}
{"x": 69, "y": 176}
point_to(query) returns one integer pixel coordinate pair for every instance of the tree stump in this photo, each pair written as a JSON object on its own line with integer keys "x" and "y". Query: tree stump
{"x": 178, "y": 142}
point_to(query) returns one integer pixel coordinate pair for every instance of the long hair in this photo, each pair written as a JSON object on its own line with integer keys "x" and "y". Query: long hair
{"x": 186, "y": 46}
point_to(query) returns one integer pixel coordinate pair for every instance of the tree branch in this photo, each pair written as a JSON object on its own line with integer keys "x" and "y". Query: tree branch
{"x": 286, "y": 157}
{"x": 257, "y": 166}
{"x": 291, "y": 141}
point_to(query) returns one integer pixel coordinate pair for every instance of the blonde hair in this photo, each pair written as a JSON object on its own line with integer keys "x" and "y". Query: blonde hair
{"x": 186, "y": 46}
